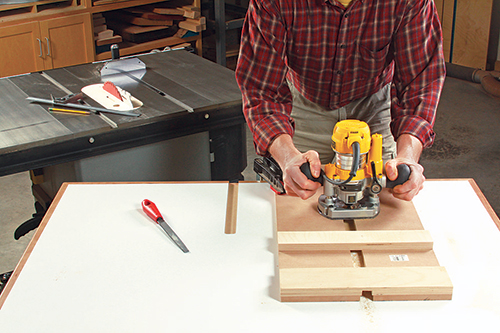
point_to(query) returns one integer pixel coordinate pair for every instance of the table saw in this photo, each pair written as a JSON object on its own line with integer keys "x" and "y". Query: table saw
{"x": 200, "y": 138}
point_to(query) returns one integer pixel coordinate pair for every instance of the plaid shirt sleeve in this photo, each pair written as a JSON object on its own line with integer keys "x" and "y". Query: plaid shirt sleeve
{"x": 261, "y": 71}
{"x": 278, "y": 35}
{"x": 419, "y": 72}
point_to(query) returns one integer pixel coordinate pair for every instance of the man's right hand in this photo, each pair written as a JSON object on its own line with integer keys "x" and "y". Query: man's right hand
{"x": 290, "y": 159}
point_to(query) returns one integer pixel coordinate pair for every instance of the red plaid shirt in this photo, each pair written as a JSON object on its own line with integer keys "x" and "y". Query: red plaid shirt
{"x": 335, "y": 55}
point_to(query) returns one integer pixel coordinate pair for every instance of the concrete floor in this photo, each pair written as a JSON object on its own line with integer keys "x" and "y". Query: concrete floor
{"x": 467, "y": 146}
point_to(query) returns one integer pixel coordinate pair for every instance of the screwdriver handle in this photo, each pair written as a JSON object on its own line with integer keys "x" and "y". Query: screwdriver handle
{"x": 151, "y": 210}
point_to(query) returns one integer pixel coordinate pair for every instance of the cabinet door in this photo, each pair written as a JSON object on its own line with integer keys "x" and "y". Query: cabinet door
{"x": 20, "y": 49}
{"x": 67, "y": 40}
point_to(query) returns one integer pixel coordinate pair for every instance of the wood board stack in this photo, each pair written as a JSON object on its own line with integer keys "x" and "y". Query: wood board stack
{"x": 389, "y": 257}
{"x": 146, "y": 23}
{"x": 103, "y": 36}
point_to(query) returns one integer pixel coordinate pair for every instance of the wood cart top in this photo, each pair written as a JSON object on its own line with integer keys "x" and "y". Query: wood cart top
{"x": 97, "y": 263}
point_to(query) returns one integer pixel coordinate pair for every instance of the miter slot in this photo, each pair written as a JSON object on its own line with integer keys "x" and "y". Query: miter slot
{"x": 367, "y": 294}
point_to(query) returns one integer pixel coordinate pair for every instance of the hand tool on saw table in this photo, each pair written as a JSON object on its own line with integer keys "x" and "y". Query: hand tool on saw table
{"x": 87, "y": 107}
{"x": 352, "y": 182}
{"x": 152, "y": 211}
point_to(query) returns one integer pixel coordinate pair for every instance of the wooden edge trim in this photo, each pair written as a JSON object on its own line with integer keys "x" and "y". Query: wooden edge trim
{"x": 231, "y": 208}
{"x": 32, "y": 243}
{"x": 416, "y": 240}
{"x": 485, "y": 202}
{"x": 167, "y": 182}
{"x": 447, "y": 179}
{"x": 150, "y": 182}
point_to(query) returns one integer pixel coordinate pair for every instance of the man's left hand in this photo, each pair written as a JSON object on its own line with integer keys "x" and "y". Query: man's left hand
{"x": 409, "y": 151}
{"x": 413, "y": 185}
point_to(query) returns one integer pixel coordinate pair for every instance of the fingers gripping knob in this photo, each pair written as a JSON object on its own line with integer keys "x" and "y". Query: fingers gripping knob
{"x": 403, "y": 175}
{"x": 306, "y": 170}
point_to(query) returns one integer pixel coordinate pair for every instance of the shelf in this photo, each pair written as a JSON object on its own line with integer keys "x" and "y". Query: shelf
{"x": 32, "y": 10}
{"x": 108, "y": 5}
{"x": 37, "y": 6}
{"x": 222, "y": 24}
{"x": 127, "y": 48}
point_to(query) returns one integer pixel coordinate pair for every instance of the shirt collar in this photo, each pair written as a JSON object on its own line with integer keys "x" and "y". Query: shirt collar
{"x": 333, "y": 2}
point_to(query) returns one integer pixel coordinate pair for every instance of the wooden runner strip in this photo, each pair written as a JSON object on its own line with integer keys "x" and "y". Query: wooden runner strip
{"x": 416, "y": 240}
{"x": 231, "y": 208}
{"x": 384, "y": 283}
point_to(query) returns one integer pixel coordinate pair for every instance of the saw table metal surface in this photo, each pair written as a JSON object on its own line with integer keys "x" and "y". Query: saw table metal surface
{"x": 31, "y": 137}
{"x": 134, "y": 279}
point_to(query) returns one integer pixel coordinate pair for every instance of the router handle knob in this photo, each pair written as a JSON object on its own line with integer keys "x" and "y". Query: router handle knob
{"x": 403, "y": 175}
{"x": 306, "y": 170}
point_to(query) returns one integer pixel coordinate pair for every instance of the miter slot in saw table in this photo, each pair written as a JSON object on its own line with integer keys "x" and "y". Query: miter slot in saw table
{"x": 389, "y": 257}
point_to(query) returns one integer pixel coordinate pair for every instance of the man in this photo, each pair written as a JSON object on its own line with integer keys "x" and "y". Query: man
{"x": 306, "y": 64}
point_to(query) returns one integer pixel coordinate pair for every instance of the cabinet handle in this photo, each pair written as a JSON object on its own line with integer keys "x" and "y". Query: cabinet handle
{"x": 40, "y": 46}
{"x": 48, "y": 46}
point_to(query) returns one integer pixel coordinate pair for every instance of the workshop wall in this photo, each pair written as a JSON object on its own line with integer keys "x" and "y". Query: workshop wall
{"x": 470, "y": 31}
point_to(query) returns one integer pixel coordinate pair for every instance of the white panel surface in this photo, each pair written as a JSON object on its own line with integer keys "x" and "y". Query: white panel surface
{"x": 101, "y": 265}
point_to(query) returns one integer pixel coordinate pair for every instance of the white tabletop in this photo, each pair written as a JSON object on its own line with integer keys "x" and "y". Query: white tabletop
{"x": 100, "y": 265}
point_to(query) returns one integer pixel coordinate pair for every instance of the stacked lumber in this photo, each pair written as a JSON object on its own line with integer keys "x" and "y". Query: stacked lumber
{"x": 151, "y": 22}
{"x": 103, "y": 36}
{"x": 191, "y": 18}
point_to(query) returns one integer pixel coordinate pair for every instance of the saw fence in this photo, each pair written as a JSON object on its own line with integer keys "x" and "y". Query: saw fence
{"x": 389, "y": 257}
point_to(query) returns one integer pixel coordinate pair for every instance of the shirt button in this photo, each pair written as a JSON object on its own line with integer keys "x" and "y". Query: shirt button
{"x": 339, "y": 72}
{"x": 336, "y": 94}
{"x": 343, "y": 46}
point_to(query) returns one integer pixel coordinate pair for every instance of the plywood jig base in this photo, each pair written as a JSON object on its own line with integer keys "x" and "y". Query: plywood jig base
{"x": 389, "y": 257}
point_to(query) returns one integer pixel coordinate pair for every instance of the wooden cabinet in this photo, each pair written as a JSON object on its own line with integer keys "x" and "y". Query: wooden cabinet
{"x": 66, "y": 41}
{"x": 21, "y": 49}
{"x": 48, "y": 34}
{"x": 47, "y": 44}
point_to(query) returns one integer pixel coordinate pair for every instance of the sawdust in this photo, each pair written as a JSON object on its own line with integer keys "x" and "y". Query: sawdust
{"x": 365, "y": 300}
{"x": 368, "y": 308}
{"x": 445, "y": 149}
{"x": 356, "y": 259}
